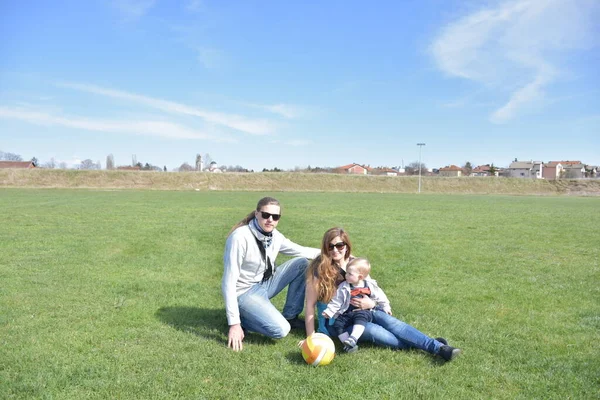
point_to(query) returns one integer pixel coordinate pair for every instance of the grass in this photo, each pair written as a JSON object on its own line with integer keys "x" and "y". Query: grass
{"x": 116, "y": 294}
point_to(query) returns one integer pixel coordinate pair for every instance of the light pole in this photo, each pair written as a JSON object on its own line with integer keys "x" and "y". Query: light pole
{"x": 420, "y": 146}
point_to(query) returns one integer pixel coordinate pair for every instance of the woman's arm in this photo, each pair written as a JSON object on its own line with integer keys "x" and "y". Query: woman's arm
{"x": 363, "y": 303}
{"x": 310, "y": 305}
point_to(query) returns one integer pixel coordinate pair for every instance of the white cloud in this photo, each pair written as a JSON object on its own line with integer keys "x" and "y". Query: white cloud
{"x": 211, "y": 58}
{"x": 252, "y": 126}
{"x": 521, "y": 44}
{"x": 299, "y": 143}
{"x": 195, "y": 5}
{"x": 133, "y": 9}
{"x": 149, "y": 128}
{"x": 285, "y": 110}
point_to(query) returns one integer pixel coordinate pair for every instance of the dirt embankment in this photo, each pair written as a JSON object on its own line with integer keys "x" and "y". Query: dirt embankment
{"x": 290, "y": 182}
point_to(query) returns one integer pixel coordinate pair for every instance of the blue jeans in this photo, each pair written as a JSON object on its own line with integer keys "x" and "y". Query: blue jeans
{"x": 387, "y": 331}
{"x": 259, "y": 315}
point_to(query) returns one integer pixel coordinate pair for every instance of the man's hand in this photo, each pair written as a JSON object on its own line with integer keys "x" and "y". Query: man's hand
{"x": 235, "y": 337}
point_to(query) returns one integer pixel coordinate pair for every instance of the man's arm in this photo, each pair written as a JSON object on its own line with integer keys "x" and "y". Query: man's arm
{"x": 233, "y": 258}
{"x": 290, "y": 248}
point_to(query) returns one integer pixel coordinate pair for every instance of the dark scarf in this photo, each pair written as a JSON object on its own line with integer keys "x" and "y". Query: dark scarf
{"x": 263, "y": 240}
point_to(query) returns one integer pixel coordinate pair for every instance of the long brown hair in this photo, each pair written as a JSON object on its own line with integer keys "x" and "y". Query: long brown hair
{"x": 261, "y": 203}
{"x": 327, "y": 274}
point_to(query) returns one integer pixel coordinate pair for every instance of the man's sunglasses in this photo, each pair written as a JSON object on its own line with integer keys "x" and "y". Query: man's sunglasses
{"x": 266, "y": 215}
{"x": 339, "y": 245}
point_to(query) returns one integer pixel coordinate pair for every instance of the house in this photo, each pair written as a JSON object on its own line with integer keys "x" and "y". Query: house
{"x": 483, "y": 170}
{"x": 525, "y": 169}
{"x": 213, "y": 168}
{"x": 451, "y": 171}
{"x": 575, "y": 170}
{"x": 354, "y": 169}
{"x": 17, "y": 164}
{"x": 385, "y": 171}
{"x": 552, "y": 170}
{"x": 129, "y": 168}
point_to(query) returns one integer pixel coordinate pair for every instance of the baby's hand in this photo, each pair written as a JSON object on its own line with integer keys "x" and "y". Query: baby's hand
{"x": 325, "y": 315}
{"x": 389, "y": 312}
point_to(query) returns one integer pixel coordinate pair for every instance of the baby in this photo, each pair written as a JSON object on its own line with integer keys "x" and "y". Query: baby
{"x": 357, "y": 284}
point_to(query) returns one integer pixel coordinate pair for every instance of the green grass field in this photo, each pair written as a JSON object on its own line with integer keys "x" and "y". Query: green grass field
{"x": 116, "y": 294}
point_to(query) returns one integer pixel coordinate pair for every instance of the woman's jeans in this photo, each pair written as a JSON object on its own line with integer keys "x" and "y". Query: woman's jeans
{"x": 387, "y": 331}
{"x": 259, "y": 315}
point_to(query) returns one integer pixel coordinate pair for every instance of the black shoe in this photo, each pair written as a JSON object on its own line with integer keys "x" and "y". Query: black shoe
{"x": 296, "y": 323}
{"x": 349, "y": 349}
{"x": 449, "y": 353}
{"x": 442, "y": 340}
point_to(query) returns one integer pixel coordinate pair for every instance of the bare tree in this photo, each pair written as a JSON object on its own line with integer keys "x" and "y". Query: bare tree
{"x": 88, "y": 164}
{"x": 110, "y": 162}
{"x": 50, "y": 164}
{"x": 413, "y": 168}
{"x": 198, "y": 162}
{"x": 237, "y": 168}
{"x": 467, "y": 168}
{"x": 10, "y": 156}
{"x": 185, "y": 167}
{"x": 62, "y": 165}
{"x": 207, "y": 159}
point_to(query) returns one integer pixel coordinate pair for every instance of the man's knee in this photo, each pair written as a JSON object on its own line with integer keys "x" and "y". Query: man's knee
{"x": 280, "y": 331}
{"x": 300, "y": 265}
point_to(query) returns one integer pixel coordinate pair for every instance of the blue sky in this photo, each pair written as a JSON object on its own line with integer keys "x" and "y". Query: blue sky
{"x": 266, "y": 84}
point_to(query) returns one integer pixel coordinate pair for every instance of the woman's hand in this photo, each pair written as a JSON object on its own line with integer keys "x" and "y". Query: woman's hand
{"x": 363, "y": 303}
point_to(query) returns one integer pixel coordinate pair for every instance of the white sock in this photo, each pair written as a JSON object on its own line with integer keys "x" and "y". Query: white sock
{"x": 357, "y": 331}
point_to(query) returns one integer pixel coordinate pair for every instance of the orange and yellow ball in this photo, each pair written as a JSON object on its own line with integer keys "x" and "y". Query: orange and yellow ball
{"x": 318, "y": 349}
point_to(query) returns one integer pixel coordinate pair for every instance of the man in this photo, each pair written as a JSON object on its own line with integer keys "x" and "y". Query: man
{"x": 251, "y": 279}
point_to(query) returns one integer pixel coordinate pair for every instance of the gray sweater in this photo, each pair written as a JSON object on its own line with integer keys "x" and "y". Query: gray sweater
{"x": 245, "y": 266}
{"x": 341, "y": 300}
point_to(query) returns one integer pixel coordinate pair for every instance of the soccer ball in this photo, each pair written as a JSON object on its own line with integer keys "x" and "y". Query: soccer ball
{"x": 318, "y": 349}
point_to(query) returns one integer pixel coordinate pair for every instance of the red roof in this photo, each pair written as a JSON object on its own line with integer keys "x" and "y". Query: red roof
{"x": 347, "y": 167}
{"x": 451, "y": 168}
{"x": 481, "y": 168}
{"x": 16, "y": 164}
{"x": 554, "y": 163}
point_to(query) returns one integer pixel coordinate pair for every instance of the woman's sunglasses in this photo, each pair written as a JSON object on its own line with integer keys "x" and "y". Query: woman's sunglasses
{"x": 339, "y": 245}
{"x": 266, "y": 215}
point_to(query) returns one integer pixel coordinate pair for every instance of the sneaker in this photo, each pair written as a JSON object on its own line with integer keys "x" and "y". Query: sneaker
{"x": 350, "y": 345}
{"x": 442, "y": 340}
{"x": 449, "y": 353}
{"x": 296, "y": 323}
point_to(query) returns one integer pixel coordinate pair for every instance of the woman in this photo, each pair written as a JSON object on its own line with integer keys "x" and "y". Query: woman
{"x": 327, "y": 271}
